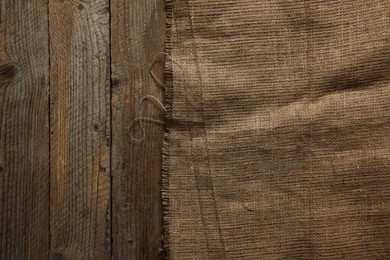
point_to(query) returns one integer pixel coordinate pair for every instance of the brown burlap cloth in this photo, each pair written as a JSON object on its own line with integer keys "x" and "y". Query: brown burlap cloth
{"x": 278, "y": 129}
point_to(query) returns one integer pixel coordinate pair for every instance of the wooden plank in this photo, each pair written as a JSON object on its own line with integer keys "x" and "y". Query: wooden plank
{"x": 80, "y": 125}
{"x": 138, "y": 40}
{"x": 24, "y": 132}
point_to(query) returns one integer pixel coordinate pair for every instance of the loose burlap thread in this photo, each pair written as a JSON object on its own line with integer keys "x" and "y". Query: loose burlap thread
{"x": 278, "y": 130}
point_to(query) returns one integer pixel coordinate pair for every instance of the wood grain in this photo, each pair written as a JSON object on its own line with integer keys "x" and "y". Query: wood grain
{"x": 24, "y": 132}
{"x": 55, "y": 142}
{"x": 80, "y": 125}
{"x": 138, "y": 40}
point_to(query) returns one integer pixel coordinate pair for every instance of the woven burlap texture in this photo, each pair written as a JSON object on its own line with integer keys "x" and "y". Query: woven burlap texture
{"x": 277, "y": 143}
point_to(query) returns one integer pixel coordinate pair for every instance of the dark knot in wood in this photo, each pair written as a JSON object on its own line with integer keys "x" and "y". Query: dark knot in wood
{"x": 7, "y": 71}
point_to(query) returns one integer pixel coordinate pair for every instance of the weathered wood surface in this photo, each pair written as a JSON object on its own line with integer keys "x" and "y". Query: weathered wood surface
{"x": 24, "y": 132}
{"x": 138, "y": 42}
{"x": 73, "y": 183}
{"x": 80, "y": 129}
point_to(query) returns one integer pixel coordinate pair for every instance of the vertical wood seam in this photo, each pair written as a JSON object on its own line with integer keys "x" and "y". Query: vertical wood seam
{"x": 49, "y": 122}
{"x": 110, "y": 123}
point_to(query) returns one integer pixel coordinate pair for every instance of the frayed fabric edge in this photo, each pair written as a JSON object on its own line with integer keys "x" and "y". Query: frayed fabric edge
{"x": 169, "y": 96}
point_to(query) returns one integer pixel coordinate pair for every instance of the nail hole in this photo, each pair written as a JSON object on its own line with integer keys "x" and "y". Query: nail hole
{"x": 1, "y": 168}
{"x": 97, "y": 127}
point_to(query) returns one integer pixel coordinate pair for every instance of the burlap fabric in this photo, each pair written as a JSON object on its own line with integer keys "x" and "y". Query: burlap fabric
{"x": 277, "y": 143}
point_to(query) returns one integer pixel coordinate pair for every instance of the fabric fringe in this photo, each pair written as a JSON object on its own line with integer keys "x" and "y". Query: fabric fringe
{"x": 168, "y": 117}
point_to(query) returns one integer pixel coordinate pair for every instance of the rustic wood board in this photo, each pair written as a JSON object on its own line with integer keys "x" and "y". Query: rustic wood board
{"x": 138, "y": 41}
{"x": 80, "y": 129}
{"x": 74, "y": 184}
{"x": 24, "y": 132}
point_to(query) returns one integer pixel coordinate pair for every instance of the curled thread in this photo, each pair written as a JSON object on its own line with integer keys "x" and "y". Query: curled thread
{"x": 141, "y": 119}
{"x": 152, "y": 99}
{"x": 158, "y": 82}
